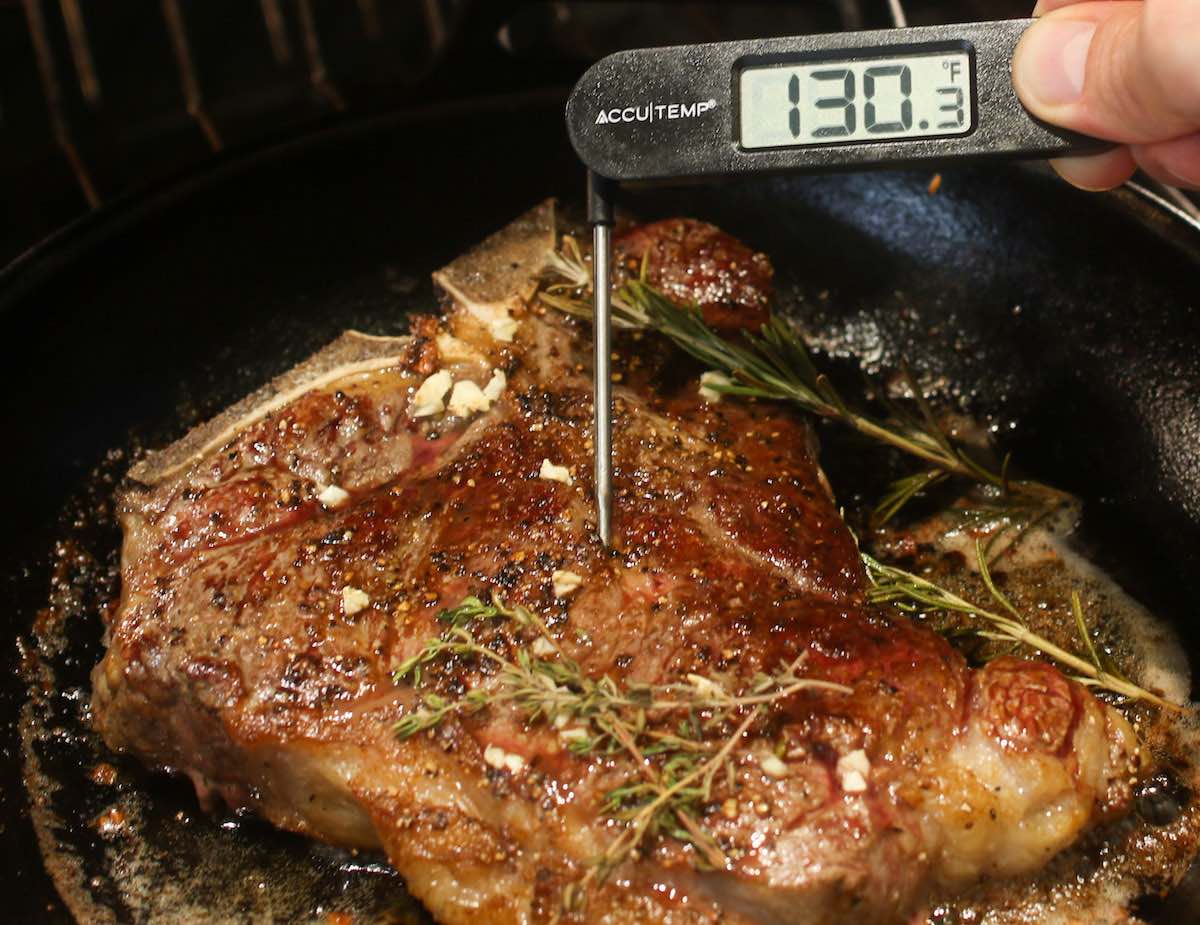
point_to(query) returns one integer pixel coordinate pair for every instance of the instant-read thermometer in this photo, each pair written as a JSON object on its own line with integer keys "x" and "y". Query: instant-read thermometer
{"x": 847, "y": 100}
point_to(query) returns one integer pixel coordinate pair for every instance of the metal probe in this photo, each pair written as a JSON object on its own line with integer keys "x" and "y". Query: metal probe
{"x": 600, "y": 215}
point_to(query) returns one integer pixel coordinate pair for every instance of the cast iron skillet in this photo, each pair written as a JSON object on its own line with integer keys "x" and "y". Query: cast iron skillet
{"x": 1070, "y": 321}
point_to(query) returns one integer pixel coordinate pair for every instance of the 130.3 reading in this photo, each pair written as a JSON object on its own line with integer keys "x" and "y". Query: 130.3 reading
{"x": 824, "y": 102}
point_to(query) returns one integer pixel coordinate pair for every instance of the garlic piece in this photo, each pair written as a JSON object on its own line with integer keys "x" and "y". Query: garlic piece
{"x": 353, "y": 600}
{"x": 467, "y": 398}
{"x": 555, "y": 473}
{"x": 772, "y": 766}
{"x": 496, "y": 385}
{"x": 542, "y": 647}
{"x": 501, "y": 760}
{"x": 853, "y": 770}
{"x": 430, "y": 397}
{"x": 565, "y": 581}
{"x": 333, "y": 496}
{"x": 710, "y": 379}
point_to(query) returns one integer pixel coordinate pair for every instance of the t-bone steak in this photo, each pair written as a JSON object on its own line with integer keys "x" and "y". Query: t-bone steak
{"x": 280, "y": 562}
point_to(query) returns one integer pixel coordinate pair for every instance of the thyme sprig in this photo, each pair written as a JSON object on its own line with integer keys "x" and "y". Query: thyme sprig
{"x": 675, "y": 765}
{"x": 776, "y": 365}
{"x": 1002, "y": 622}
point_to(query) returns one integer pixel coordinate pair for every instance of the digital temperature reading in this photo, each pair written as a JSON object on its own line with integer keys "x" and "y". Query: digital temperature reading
{"x": 862, "y": 100}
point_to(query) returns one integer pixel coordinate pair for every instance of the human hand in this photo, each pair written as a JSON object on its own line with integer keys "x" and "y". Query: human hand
{"x": 1124, "y": 70}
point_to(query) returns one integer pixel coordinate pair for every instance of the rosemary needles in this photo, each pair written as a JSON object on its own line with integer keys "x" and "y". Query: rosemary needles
{"x": 1002, "y": 621}
{"x": 775, "y": 364}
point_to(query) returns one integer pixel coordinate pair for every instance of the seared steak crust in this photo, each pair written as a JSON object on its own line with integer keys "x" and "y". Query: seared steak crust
{"x": 262, "y": 617}
{"x": 698, "y": 263}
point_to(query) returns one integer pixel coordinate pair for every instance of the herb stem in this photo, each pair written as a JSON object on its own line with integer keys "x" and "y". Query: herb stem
{"x": 908, "y": 592}
{"x": 644, "y": 816}
{"x": 775, "y": 364}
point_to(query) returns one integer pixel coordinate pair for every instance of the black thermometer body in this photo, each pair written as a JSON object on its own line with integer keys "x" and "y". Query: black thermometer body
{"x": 809, "y": 103}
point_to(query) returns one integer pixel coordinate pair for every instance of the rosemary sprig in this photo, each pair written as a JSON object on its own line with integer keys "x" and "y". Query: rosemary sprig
{"x": 675, "y": 766}
{"x": 911, "y": 593}
{"x": 775, "y": 365}
{"x": 902, "y": 491}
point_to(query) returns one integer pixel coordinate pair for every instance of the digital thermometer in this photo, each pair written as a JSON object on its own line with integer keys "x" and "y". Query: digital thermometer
{"x": 848, "y": 100}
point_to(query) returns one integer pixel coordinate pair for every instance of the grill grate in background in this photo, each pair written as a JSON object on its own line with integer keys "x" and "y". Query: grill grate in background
{"x": 100, "y": 99}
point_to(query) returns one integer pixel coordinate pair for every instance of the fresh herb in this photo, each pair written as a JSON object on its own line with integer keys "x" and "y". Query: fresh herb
{"x": 776, "y": 365}
{"x": 675, "y": 762}
{"x": 902, "y": 491}
{"x": 1003, "y": 622}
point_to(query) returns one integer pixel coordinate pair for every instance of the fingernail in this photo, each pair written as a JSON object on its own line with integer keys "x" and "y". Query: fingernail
{"x": 1053, "y": 59}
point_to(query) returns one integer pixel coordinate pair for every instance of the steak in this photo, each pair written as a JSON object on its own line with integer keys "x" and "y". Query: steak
{"x": 283, "y": 561}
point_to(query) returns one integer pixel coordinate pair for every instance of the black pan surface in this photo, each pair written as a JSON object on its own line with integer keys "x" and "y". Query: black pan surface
{"x": 1069, "y": 321}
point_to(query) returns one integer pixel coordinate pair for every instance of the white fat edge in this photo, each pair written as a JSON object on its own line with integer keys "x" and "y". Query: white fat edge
{"x": 430, "y": 396}
{"x": 452, "y": 350}
{"x": 496, "y": 317}
{"x": 710, "y": 379}
{"x": 285, "y": 398}
{"x": 466, "y": 399}
{"x": 1155, "y": 643}
{"x": 555, "y": 473}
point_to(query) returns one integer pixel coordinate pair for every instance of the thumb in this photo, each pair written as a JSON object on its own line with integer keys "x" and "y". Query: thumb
{"x": 1120, "y": 70}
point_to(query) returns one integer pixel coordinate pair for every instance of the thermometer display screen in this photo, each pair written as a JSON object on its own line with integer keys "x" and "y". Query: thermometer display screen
{"x": 875, "y": 99}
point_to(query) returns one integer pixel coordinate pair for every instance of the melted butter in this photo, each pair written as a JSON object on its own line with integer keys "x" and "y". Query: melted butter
{"x": 1098, "y": 879}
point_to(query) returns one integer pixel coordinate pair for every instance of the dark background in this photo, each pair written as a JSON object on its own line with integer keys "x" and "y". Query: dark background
{"x": 100, "y": 99}
{"x": 197, "y": 249}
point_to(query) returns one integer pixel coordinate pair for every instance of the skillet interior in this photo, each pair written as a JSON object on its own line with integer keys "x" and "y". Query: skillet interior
{"x": 151, "y": 319}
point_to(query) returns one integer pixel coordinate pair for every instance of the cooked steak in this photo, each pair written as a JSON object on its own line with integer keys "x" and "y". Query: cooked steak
{"x": 282, "y": 562}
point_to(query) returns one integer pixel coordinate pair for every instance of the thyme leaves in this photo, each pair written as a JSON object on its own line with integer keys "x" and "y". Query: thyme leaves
{"x": 673, "y": 738}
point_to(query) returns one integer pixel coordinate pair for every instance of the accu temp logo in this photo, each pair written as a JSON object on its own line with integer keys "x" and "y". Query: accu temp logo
{"x": 654, "y": 112}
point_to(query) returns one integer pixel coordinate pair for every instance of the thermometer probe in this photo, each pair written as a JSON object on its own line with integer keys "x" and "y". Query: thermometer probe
{"x": 847, "y": 100}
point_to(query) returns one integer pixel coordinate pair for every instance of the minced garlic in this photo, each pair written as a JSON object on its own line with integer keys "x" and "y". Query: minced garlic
{"x": 467, "y": 398}
{"x": 353, "y": 600}
{"x": 555, "y": 473}
{"x": 710, "y": 379}
{"x": 430, "y": 397}
{"x": 565, "y": 581}
{"x": 853, "y": 770}
{"x": 501, "y": 760}
{"x": 333, "y": 496}
{"x": 495, "y": 385}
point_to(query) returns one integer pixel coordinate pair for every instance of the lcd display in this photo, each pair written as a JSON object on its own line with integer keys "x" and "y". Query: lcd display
{"x": 860, "y": 100}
